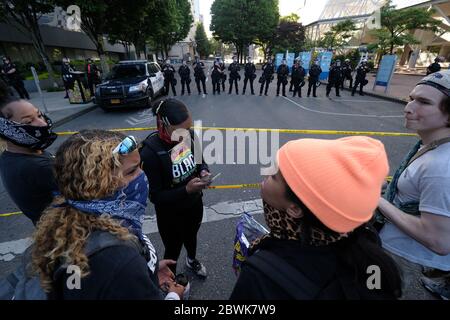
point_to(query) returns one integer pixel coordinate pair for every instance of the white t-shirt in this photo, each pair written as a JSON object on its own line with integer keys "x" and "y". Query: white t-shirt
{"x": 427, "y": 181}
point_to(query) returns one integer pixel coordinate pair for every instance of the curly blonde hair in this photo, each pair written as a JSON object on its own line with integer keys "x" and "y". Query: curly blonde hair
{"x": 85, "y": 169}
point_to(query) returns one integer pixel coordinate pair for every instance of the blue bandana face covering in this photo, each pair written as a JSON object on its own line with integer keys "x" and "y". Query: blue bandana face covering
{"x": 127, "y": 204}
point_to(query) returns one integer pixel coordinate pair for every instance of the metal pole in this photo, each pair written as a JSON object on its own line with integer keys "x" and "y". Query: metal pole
{"x": 36, "y": 81}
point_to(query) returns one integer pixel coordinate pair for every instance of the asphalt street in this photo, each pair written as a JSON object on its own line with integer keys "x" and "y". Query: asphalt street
{"x": 223, "y": 206}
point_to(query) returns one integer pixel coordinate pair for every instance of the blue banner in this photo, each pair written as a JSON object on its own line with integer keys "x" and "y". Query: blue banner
{"x": 325, "y": 61}
{"x": 278, "y": 59}
{"x": 385, "y": 70}
{"x": 305, "y": 58}
{"x": 290, "y": 60}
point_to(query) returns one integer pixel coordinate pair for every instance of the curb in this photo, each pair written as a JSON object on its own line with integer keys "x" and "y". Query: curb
{"x": 378, "y": 95}
{"x": 74, "y": 116}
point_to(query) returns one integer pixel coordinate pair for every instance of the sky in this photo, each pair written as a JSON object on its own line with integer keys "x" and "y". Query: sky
{"x": 309, "y": 10}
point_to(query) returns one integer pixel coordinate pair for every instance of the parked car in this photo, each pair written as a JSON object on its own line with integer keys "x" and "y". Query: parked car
{"x": 132, "y": 83}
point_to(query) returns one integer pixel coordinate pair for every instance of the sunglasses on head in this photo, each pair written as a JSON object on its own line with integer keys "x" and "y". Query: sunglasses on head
{"x": 127, "y": 146}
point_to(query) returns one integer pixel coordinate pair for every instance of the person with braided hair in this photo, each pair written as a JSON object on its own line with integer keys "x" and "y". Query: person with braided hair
{"x": 176, "y": 180}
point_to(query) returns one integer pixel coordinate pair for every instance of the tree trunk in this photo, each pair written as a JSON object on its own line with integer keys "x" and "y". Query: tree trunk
{"x": 40, "y": 49}
{"x": 31, "y": 29}
{"x": 102, "y": 54}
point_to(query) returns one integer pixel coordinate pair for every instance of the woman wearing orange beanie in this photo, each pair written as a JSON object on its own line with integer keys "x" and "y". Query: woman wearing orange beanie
{"x": 316, "y": 207}
{"x": 417, "y": 201}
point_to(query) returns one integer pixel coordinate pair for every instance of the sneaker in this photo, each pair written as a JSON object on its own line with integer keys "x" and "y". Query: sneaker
{"x": 439, "y": 287}
{"x": 197, "y": 267}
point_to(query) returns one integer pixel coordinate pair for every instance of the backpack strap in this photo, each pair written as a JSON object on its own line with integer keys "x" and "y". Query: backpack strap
{"x": 293, "y": 281}
{"x": 98, "y": 241}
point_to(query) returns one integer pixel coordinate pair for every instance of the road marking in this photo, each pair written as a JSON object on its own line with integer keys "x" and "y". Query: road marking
{"x": 290, "y": 131}
{"x": 341, "y": 114}
{"x": 216, "y": 212}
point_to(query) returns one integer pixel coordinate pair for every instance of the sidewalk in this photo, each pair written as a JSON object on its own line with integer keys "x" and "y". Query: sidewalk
{"x": 59, "y": 109}
{"x": 400, "y": 87}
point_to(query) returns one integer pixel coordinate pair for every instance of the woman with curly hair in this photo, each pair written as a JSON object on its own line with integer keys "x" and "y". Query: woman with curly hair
{"x": 102, "y": 200}
{"x": 26, "y": 169}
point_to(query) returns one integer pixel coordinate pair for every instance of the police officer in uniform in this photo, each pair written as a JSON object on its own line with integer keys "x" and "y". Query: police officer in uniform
{"x": 347, "y": 73}
{"x": 216, "y": 77}
{"x": 12, "y": 75}
{"x": 314, "y": 73}
{"x": 434, "y": 67}
{"x": 66, "y": 74}
{"x": 360, "y": 78}
{"x": 234, "y": 75}
{"x": 199, "y": 75}
{"x": 266, "y": 78}
{"x": 334, "y": 77}
{"x": 185, "y": 76}
{"x": 169, "y": 77}
{"x": 224, "y": 75}
{"x": 250, "y": 75}
{"x": 298, "y": 78}
{"x": 93, "y": 75}
{"x": 282, "y": 77}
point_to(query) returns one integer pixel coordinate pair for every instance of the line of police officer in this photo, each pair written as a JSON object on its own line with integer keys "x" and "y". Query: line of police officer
{"x": 337, "y": 76}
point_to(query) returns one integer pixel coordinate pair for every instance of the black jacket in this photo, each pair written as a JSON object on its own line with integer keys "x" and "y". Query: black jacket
{"x": 165, "y": 190}
{"x": 250, "y": 70}
{"x": 216, "y": 73}
{"x": 361, "y": 72}
{"x": 268, "y": 70}
{"x": 12, "y": 77}
{"x": 434, "y": 67}
{"x": 318, "y": 264}
{"x": 347, "y": 70}
{"x": 92, "y": 72}
{"x": 184, "y": 72}
{"x": 119, "y": 272}
{"x": 314, "y": 72}
{"x": 298, "y": 73}
{"x": 199, "y": 73}
{"x": 335, "y": 75}
{"x": 234, "y": 69}
{"x": 283, "y": 72}
{"x": 169, "y": 72}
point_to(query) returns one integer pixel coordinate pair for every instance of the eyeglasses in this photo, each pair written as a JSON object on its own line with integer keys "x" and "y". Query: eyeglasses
{"x": 127, "y": 146}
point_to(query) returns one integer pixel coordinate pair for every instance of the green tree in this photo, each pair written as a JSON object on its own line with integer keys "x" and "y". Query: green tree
{"x": 397, "y": 24}
{"x": 268, "y": 19}
{"x": 203, "y": 45}
{"x": 24, "y": 16}
{"x": 243, "y": 22}
{"x": 289, "y": 35}
{"x": 169, "y": 23}
{"x": 95, "y": 17}
{"x": 120, "y": 30}
{"x": 339, "y": 35}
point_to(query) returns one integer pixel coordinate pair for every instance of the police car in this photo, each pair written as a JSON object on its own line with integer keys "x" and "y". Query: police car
{"x": 132, "y": 83}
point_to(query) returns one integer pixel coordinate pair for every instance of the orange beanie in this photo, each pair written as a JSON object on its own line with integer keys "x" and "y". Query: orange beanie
{"x": 338, "y": 180}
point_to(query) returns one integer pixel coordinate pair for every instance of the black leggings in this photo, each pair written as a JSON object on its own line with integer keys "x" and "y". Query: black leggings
{"x": 178, "y": 227}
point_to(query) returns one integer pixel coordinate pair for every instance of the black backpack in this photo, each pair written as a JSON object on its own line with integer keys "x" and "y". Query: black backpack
{"x": 23, "y": 284}
{"x": 295, "y": 283}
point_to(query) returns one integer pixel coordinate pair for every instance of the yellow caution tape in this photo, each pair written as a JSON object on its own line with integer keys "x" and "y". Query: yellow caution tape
{"x": 229, "y": 186}
{"x": 290, "y": 131}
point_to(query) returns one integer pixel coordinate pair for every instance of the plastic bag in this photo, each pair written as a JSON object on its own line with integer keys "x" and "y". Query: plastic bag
{"x": 247, "y": 230}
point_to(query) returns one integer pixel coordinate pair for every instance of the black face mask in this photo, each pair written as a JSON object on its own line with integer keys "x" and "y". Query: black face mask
{"x": 25, "y": 135}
